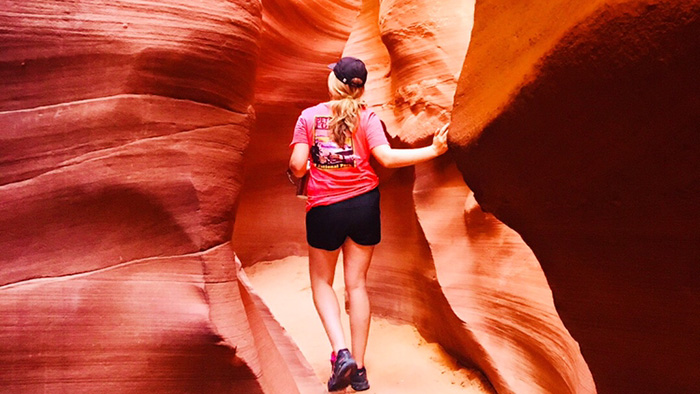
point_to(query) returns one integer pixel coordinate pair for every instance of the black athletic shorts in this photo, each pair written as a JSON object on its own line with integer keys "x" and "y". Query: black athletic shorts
{"x": 328, "y": 226}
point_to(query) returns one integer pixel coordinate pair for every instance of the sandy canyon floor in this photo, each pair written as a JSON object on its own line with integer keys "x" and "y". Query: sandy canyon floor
{"x": 399, "y": 359}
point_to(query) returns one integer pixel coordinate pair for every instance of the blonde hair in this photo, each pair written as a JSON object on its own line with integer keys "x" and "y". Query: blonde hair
{"x": 345, "y": 109}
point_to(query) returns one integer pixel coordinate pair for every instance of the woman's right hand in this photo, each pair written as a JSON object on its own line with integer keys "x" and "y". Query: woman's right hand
{"x": 440, "y": 139}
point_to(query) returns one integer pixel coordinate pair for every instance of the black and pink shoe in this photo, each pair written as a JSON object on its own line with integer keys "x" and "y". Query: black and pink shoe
{"x": 344, "y": 367}
{"x": 359, "y": 381}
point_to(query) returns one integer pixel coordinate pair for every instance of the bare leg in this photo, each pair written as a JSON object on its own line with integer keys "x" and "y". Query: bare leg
{"x": 356, "y": 259}
{"x": 322, "y": 271}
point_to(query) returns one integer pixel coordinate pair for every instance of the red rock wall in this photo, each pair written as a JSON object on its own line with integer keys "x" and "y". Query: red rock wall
{"x": 126, "y": 144}
{"x": 299, "y": 39}
{"x": 588, "y": 150}
{"x": 121, "y": 158}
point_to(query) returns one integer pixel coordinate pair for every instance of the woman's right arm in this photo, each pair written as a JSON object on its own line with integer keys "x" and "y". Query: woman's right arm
{"x": 393, "y": 158}
{"x": 300, "y": 156}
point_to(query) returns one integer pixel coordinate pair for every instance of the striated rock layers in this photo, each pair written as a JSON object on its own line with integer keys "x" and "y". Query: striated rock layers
{"x": 126, "y": 128}
{"x": 576, "y": 123}
{"x": 121, "y": 152}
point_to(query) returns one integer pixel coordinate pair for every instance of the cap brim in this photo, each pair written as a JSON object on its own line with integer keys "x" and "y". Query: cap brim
{"x": 332, "y": 65}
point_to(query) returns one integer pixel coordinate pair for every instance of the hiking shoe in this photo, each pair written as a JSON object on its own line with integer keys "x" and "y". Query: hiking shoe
{"x": 358, "y": 380}
{"x": 343, "y": 368}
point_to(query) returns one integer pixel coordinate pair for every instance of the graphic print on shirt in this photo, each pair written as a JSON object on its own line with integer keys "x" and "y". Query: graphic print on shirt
{"x": 325, "y": 153}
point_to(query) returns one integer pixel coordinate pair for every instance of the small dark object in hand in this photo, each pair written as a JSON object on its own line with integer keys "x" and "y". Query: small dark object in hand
{"x": 300, "y": 183}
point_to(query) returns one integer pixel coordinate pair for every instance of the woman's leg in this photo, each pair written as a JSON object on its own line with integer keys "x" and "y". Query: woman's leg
{"x": 356, "y": 259}
{"x": 322, "y": 271}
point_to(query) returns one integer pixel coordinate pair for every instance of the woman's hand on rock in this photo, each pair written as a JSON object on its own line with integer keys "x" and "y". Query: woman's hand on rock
{"x": 440, "y": 139}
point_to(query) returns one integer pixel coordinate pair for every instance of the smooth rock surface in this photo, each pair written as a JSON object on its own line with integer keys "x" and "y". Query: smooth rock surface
{"x": 495, "y": 284}
{"x": 144, "y": 142}
{"x": 588, "y": 149}
{"x": 121, "y": 159}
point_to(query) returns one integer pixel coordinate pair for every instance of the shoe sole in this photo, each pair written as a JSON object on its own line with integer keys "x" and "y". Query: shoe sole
{"x": 359, "y": 388}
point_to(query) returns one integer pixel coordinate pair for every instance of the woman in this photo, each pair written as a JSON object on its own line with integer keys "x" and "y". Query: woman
{"x": 342, "y": 211}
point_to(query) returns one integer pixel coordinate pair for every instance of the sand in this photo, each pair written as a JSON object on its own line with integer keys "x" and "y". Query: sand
{"x": 398, "y": 359}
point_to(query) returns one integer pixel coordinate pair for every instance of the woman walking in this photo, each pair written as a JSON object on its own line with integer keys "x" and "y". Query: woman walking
{"x": 342, "y": 212}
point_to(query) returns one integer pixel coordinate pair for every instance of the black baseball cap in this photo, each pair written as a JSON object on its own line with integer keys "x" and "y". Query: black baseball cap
{"x": 350, "y": 71}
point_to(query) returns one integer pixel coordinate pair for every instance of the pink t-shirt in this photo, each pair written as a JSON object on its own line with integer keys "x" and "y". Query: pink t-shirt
{"x": 338, "y": 172}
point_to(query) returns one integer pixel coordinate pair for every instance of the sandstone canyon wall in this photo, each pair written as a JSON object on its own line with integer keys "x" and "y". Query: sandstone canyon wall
{"x": 143, "y": 143}
{"x": 299, "y": 39}
{"x": 588, "y": 148}
{"x": 123, "y": 131}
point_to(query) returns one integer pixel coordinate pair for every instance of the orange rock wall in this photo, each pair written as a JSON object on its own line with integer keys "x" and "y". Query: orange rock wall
{"x": 140, "y": 139}
{"x": 587, "y": 149}
{"x": 121, "y": 157}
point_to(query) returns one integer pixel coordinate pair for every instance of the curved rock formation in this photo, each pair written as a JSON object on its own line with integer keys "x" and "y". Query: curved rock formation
{"x": 121, "y": 155}
{"x": 495, "y": 285}
{"x": 588, "y": 149}
{"x": 122, "y": 164}
{"x": 299, "y": 40}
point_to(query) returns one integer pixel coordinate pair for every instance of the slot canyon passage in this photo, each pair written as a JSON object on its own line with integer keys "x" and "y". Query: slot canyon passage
{"x": 554, "y": 249}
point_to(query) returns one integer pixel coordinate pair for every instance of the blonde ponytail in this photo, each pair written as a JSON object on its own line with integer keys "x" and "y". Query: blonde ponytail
{"x": 345, "y": 109}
